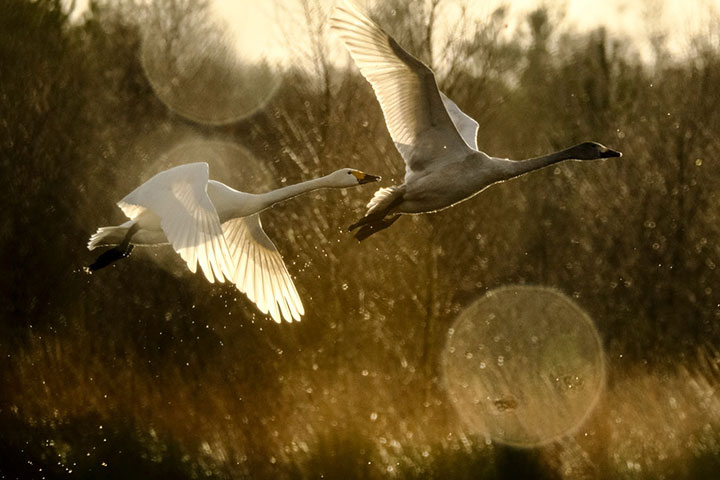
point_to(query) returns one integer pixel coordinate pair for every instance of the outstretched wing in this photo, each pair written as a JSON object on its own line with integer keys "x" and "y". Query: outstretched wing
{"x": 187, "y": 216}
{"x": 260, "y": 271}
{"x": 466, "y": 126}
{"x": 409, "y": 97}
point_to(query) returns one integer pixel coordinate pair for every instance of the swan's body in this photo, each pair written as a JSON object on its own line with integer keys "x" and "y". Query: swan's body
{"x": 438, "y": 142}
{"x": 211, "y": 224}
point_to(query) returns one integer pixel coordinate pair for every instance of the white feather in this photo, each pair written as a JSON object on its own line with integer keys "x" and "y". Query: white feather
{"x": 214, "y": 226}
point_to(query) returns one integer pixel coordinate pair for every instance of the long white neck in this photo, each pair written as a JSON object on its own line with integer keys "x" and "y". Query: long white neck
{"x": 231, "y": 203}
{"x": 266, "y": 200}
{"x": 519, "y": 167}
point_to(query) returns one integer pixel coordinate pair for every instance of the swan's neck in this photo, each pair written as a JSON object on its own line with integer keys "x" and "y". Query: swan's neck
{"x": 519, "y": 167}
{"x": 266, "y": 200}
{"x": 231, "y": 203}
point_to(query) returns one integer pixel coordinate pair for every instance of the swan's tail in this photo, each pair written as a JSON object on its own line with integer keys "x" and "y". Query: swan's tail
{"x": 108, "y": 236}
{"x": 379, "y": 208}
{"x": 385, "y": 199}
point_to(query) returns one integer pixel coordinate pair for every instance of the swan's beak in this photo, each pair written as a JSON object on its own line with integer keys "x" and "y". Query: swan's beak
{"x": 368, "y": 179}
{"x": 608, "y": 153}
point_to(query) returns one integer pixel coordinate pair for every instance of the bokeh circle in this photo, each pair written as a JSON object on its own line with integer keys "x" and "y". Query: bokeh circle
{"x": 229, "y": 162}
{"x": 523, "y": 365}
{"x": 197, "y": 67}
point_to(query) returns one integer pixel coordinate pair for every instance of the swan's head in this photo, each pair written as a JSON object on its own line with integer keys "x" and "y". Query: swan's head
{"x": 349, "y": 177}
{"x": 593, "y": 151}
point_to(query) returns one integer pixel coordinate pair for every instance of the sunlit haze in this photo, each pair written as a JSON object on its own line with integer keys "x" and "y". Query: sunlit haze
{"x": 276, "y": 30}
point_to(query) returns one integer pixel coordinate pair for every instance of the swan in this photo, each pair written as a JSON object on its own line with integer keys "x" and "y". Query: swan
{"x": 217, "y": 227}
{"x": 437, "y": 141}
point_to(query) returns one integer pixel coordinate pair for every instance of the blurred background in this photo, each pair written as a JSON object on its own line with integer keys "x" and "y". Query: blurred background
{"x": 145, "y": 369}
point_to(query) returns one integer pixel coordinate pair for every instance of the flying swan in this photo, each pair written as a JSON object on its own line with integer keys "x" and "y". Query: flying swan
{"x": 211, "y": 224}
{"x": 437, "y": 141}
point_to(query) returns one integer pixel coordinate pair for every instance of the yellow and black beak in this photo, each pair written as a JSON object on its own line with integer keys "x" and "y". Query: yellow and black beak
{"x": 365, "y": 178}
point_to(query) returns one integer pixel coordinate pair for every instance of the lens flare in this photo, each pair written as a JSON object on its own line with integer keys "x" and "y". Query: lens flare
{"x": 523, "y": 365}
{"x": 229, "y": 162}
{"x": 196, "y": 68}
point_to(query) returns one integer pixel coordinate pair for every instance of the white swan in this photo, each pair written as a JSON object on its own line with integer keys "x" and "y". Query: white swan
{"x": 211, "y": 224}
{"x": 438, "y": 142}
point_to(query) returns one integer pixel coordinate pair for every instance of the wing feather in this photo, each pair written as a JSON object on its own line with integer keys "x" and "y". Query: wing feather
{"x": 202, "y": 252}
{"x": 466, "y": 126}
{"x": 191, "y": 239}
{"x": 188, "y": 218}
{"x": 218, "y": 256}
{"x": 249, "y": 279}
{"x": 415, "y": 115}
{"x": 270, "y": 289}
{"x": 259, "y": 287}
{"x": 279, "y": 287}
{"x": 260, "y": 272}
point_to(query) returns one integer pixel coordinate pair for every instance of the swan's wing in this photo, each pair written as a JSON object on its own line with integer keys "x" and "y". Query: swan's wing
{"x": 187, "y": 216}
{"x": 405, "y": 87}
{"x": 466, "y": 126}
{"x": 260, "y": 271}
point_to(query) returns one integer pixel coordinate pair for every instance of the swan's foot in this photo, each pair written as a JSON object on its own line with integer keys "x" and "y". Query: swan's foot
{"x": 371, "y": 228}
{"x": 109, "y": 257}
{"x": 375, "y": 217}
{"x": 114, "y": 254}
